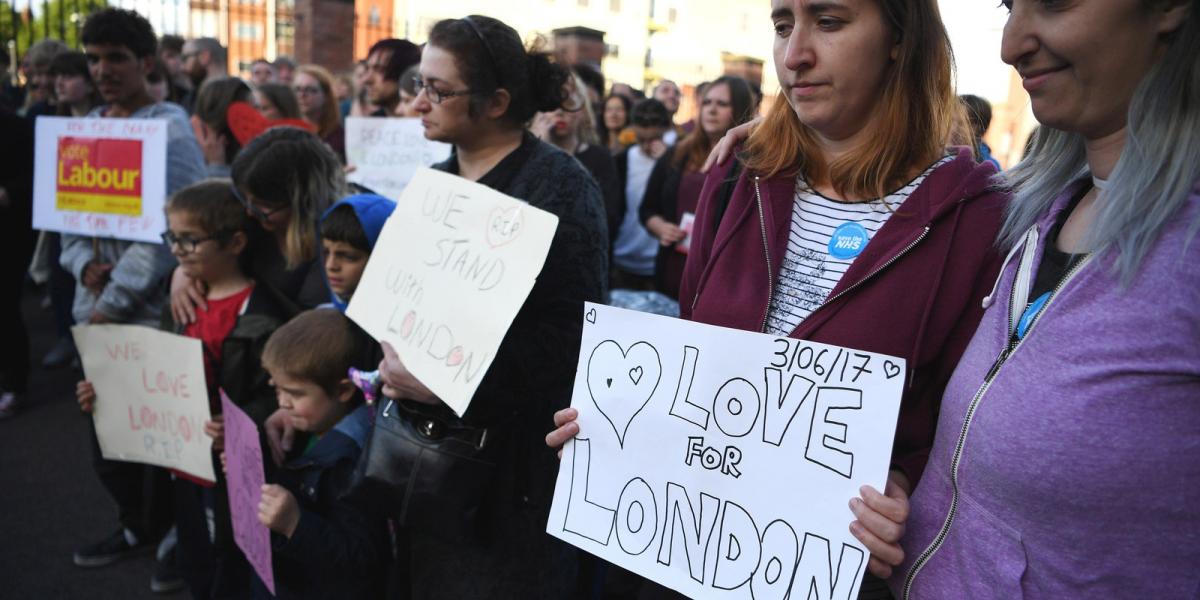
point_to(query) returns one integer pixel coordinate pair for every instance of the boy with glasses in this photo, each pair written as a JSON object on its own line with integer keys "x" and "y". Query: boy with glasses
{"x": 206, "y": 234}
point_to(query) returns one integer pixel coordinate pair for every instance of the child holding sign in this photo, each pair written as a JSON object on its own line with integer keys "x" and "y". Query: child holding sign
{"x": 323, "y": 546}
{"x": 206, "y": 233}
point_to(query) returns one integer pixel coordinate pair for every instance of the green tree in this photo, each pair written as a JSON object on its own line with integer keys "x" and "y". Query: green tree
{"x": 58, "y": 19}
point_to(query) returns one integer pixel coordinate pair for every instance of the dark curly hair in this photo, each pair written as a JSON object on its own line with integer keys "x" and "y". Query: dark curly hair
{"x": 490, "y": 56}
{"x": 120, "y": 27}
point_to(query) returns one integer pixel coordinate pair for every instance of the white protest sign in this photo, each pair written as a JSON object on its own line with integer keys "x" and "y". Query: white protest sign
{"x": 720, "y": 463}
{"x": 101, "y": 177}
{"x": 453, "y": 265}
{"x": 151, "y": 398}
{"x": 386, "y": 153}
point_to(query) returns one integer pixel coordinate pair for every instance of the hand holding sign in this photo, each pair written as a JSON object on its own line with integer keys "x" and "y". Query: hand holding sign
{"x": 150, "y": 398}
{"x": 731, "y": 477}
{"x": 101, "y": 177}
{"x": 244, "y": 476}
{"x": 386, "y": 153}
{"x": 452, "y": 267}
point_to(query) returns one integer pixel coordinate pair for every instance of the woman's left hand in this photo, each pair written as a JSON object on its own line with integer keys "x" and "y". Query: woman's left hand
{"x": 880, "y": 524}
{"x": 399, "y": 382}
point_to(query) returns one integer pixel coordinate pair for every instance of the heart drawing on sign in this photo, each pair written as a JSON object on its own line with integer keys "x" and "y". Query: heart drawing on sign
{"x": 455, "y": 357}
{"x": 890, "y": 369}
{"x": 504, "y": 226}
{"x": 621, "y": 382}
{"x": 590, "y": 317}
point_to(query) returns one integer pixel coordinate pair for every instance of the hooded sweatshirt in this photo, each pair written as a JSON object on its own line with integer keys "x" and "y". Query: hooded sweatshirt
{"x": 1074, "y": 473}
{"x": 372, "y": 211}
{"x": 914, "y": 292}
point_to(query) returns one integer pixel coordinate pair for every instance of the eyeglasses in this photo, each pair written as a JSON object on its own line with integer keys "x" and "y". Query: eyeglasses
{"x": 187, "y": 243}
{"x": 260, "y": 214}
{"x": 302, "y": 90}
{"x": 435, "y": 95}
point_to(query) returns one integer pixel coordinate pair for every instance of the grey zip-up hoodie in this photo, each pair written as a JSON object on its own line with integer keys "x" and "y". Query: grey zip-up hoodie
{"x": 134, "y": 293}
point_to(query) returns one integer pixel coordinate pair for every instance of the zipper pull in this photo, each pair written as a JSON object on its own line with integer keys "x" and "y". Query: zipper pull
{"x": 996, "y": 365}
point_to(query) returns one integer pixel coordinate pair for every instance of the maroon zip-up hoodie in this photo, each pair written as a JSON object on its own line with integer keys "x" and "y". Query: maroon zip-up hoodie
{"x": 915, "y": 292}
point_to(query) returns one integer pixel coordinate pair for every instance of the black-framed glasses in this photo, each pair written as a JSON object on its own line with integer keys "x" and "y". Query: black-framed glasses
{"x": 435, "y": 95}
{"x": 189, "y": 244}
{"x": 307, "y": 90}
{"x": 260, "y": 214}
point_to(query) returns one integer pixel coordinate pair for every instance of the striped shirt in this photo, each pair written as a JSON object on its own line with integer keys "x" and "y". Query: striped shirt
{"x": 815, "y": 261}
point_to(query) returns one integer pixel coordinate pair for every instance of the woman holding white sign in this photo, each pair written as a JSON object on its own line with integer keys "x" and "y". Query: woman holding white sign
{"x": 478, "y": 88}
{"x": 853, "y": 223}
{"x": 1067, "y": 459}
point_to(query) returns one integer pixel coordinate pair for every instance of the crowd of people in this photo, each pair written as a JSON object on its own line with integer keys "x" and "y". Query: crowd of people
{"x": 1048, "y": 438}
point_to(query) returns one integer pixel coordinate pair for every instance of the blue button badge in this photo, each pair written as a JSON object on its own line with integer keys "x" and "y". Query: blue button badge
{"x": 848, "y": 241}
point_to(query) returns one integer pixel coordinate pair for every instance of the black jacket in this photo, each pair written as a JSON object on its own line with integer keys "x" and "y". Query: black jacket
{"x": 662, "y": 199}
{"x": 531, "y": 377}
{"x": 338, "y": 549}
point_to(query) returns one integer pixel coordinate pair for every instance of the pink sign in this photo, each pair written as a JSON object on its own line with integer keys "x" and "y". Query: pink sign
{"x": 244, "y": 473}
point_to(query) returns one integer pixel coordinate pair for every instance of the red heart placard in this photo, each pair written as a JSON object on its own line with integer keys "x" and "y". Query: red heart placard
{"x": 247, "y": 123}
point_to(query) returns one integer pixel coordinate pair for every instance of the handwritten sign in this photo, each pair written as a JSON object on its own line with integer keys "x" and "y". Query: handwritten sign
{"x": 101, "y": 177}
{"x": 719, "y": 462}
{"x": 452, "y": 267}
{"x": 386, "y": 153}
{"x": 244, "y": 476}
{"x": 151, "y": 399}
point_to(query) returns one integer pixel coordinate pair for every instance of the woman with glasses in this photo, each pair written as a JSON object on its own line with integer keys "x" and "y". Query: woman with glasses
{"x": 478, "y": 89}
{"x": 285, "y": 178}
{"x": 313, "y": 86}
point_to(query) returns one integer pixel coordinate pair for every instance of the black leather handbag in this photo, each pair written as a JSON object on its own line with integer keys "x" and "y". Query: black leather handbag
{"x": 426, "y": 470}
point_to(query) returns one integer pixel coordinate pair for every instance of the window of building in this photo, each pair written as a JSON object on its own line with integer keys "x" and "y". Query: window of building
{"x": 672, "y": 14}
{"x": 247, "y": 31}
{"x": 614, "y": 5}
{"x": 583, "y": 3}
{"x": 373, "y": 16}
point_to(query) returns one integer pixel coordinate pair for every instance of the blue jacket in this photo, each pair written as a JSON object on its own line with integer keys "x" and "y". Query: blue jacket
{"x": 338, "y": 550}
{"x": 372, "y": 211}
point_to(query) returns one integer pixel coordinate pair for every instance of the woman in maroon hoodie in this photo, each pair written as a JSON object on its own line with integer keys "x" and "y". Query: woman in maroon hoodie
{"x": 852, "y": 223}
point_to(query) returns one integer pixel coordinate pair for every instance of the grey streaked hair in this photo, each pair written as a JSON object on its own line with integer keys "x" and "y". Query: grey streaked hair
{"x": 1154, "y": 175}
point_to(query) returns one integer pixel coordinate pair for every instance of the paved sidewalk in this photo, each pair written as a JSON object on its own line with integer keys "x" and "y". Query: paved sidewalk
{"x": 50, "y": 501}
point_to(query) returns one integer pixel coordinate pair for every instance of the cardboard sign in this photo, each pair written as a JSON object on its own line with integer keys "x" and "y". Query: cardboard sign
{"x": 101, "y": 177}
{"x": 386, "y": 153}
{"x": 452, "y": 267}
{"x": 151, "y": 398}
{"x": 244, "y": 478}
{"x": 720, "y": 463}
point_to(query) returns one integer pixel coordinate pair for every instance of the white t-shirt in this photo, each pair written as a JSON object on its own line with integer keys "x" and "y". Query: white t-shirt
{"x": 635, "y": 249}
{"x": 826, "y": 236}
